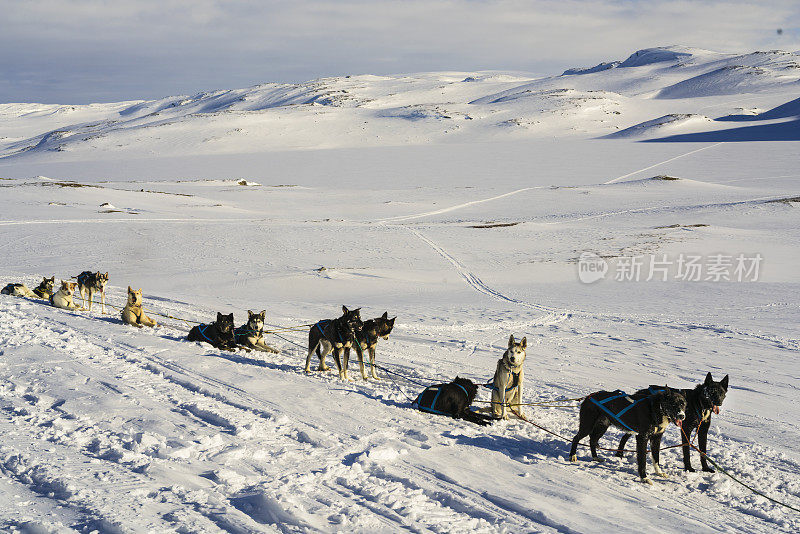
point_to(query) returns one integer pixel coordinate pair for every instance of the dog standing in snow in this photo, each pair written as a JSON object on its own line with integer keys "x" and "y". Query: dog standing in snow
{"x": 91, "y": 283}
{"x": 64, "y": 297}
{"x": 508, "y": 378}
{"x": 133, "y": 312}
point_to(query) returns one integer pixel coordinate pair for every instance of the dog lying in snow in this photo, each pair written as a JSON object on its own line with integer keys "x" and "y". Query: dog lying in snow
{"x": 46, "y": 288}
{"x": 18, "y": 290}
{"x": 219, "y": 333}
{"x": 63, "y": 298}
{"x": 701, "y": 402}
{"x": 508, "y": 379}
{"x": 646, "y": 415}
{"x": 453, "y": 399}
{"x": 133, "y": 312}
{"x": 251, "y": 334}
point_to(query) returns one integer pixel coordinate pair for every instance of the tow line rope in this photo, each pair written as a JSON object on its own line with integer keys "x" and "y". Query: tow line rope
{"x": 728, "y": 474}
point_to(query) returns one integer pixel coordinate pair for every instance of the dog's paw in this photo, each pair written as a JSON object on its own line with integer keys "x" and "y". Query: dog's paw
{"x": 647, "y": 481}
{"x": 573, "y": 458}
{"x": 709, "y": 470}
{"x": 690, "y": 469}
{"x": 660, "y": 472}
{"x": 619, "y": 454}
{"x": 598, "y": 459}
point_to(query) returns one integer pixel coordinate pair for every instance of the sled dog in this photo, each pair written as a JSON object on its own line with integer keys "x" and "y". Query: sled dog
{"x": 508, "y": 379}
{"x": 133, "y": 312}
{"x": 373, "y": 329}
{"x": 334, "y": 335}
{"x": 18, "y": 290}
{"x": 219, "y": 333}
{"x": 646, "y": 415}
{"x": 45, "y": 289}
{"x": 63, "y": 298}
{"x": 251, "y": 334}
{"x": 453, "y": 399}
{"x": 91, "y": 283}
{"x": 701, "y": 401}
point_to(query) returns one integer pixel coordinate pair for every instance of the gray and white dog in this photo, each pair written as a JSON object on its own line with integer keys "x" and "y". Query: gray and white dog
{"x": 91, "y": 283}
{"x": 251, "y": 334}
{"x": 334, "y": 335}
{"x": 508, "y": 379}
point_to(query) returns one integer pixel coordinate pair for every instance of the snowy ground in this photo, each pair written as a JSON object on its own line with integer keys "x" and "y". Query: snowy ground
{"x": 465, "y": 239}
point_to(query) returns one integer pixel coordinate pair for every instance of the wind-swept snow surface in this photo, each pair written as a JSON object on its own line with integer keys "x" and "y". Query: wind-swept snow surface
{"x": 446, "y": 200}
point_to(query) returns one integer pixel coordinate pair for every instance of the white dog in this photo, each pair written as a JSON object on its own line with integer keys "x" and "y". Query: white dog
{"x": 508, "y": 378}
{"x": 63, "y": 298}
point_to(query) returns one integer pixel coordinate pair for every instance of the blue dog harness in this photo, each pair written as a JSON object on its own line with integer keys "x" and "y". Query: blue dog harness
{"x": 431, "y": 407}
{"x": 618, "y": 394}
{"x": 321, "y": 325}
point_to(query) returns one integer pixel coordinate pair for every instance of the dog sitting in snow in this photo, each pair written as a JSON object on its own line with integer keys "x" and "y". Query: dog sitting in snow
{"x": 453, "y": 399}
{"x": 220, "y": 334}
{"x": 508, "y": 379}
{"x": 64, "y": 297}
{"x": 367, "y": 338}
{"x": 133, "y": 312}
{"x": 18, "y": 290}
{"x": 250, "y": 335}
{"x": 91, "y": 283}
{"x": 45, "y": 288}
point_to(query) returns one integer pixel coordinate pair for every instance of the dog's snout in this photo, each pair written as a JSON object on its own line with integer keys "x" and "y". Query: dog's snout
{"x": 681, "y": 416}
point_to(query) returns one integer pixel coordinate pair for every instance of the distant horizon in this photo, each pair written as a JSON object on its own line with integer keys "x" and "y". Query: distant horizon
{"x": 88, "y": 51}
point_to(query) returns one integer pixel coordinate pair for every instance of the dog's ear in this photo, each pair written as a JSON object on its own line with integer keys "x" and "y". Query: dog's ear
{"x": 106, "y": 275}
{"x": 344, "y": 308}
{"x": 263, "y": 313}
{"x": 130, "y": 290}
{"x": 724, "y": 383}
{"x": 219, "y": 316}
{"x": 391, "y": 321}
{"x": 709, "y": 379}
{"x": 385, "y": 316}
{"x": 511, "y": 341}
{"x": 524, "y": 343}
{"x": 140, "y": 290}
{"x": 250, "y": 313}
{"x": 230, "y": 317}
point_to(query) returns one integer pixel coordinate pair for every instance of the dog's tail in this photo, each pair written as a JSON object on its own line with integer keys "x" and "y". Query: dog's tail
{"x": 477, "y": 418}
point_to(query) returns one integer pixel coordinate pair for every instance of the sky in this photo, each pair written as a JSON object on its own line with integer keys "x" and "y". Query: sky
{"x": 83, "y": 51}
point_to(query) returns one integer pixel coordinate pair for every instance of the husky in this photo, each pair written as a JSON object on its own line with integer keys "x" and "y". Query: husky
{"x": 91, "y": 283}
{"x": 646, "y": 415}
{"x": 334, "y": 335}
{"x": 508, "y": 379}
{"x": 368, "y": 340}
{"x": 219, "y": 334}
{"x": 18, "y": 290}
{"x": 64, "y": 297}
{"x": 133, "y": 312}
{"x": 453, "y": 399}
{"x": 45, "y": 289}
{"x": 251, "y": 334}
{"x": 701, "y": 401}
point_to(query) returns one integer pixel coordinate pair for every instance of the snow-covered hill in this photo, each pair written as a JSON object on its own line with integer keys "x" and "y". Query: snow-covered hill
{"x": 355, "y": 111}
{"x": 460, "y": 202}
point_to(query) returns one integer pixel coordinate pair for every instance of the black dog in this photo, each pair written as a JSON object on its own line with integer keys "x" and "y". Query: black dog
{"x": 453, "y": 399}
{"x": 700, "y": 402}
{"x": 334, "y": 335}
{"x": 367, "y": 338}
{"x": 645, "y": 415}
{"x": 219, "y": 334}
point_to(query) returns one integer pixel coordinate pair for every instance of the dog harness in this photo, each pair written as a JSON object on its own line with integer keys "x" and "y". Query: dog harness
{"x": 514, "y": 384}
{"x": 321, "y": 325}
{"x": 619, "y": 394}
{"x": 426, "y": 401}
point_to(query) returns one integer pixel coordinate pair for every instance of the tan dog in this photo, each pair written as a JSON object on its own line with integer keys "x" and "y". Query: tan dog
{"x": 133, "y": 313}
{"x": 63, "y": 298}
{"x": 508, "y": 378}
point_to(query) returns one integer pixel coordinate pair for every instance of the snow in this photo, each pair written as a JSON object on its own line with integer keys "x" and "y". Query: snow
{"x": 460, "y": 202}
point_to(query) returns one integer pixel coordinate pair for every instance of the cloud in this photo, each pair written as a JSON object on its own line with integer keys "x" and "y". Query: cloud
{"x": 81, "y": 51}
